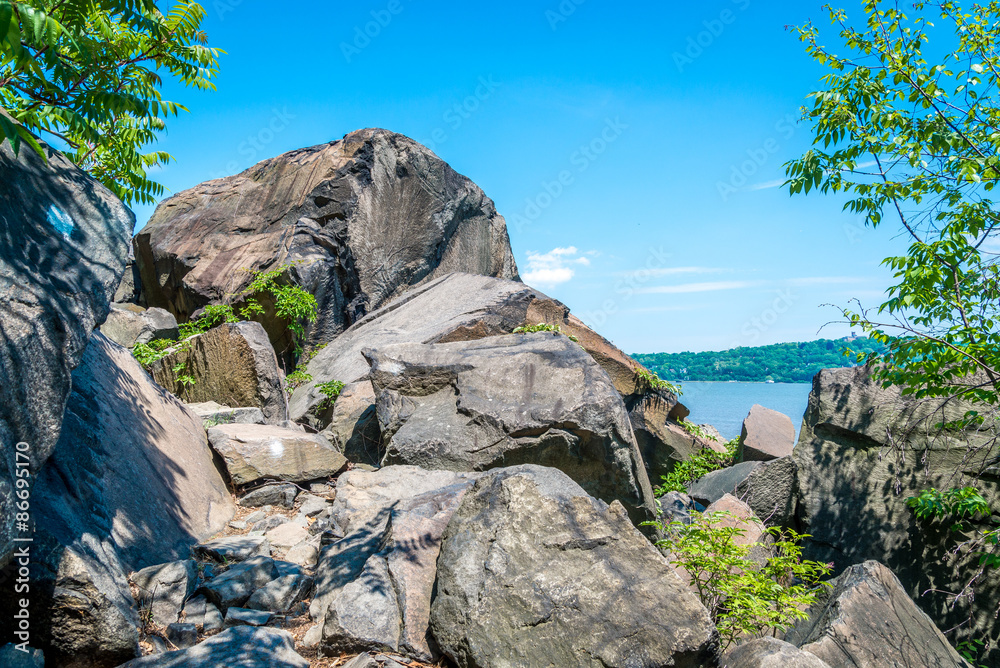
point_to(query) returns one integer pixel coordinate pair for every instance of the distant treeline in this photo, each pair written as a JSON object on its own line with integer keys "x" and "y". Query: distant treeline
{"x": 781, "y": 362}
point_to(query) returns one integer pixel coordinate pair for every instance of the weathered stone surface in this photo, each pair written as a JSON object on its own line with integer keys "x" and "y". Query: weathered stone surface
{"x": 363, "y": 660}
{"x": 281, "y": 594}
{"x": 770, "y": 490}
{"x": 245, "y": 617}
{"x": 535, "y": 398}
{"x": 203, "y": 614}
{"x": 770, "y": 653}
{"x": 275, "y": 494}
{"x": 63, "y": 244}
{"x": 674, "y": 507}
{"x": 663, "y": 442}
{"x": 312, "y": 505}
{"x": 862, "y": 451}
{"x": 869, "y": 621}
{"x": 305, "y": 553}
{"x": 535, "y": 572}
{"x": 286, "y": 535}
{"x": 713, "y": 486}
{"x": 255, "y": 452}
{"x": 182, "y": 635}
{"x": 213, "y": 414}
{"x": 361, "y": 220}
{"x": 767, "y": 434}
{"x": 233, "y": 548}
{"x": 238, "y": 647}
{"x": 740, "y": 516}
{"x": 374, "y": 586}
{"x": 12, "y": 657}
{"x": 354, "y": 426}
{"x": 130, "y": 483}
{"x": 233, "y": 364}
{"x": 165, "y": 587}
{"x": 235, "y": 586}
{"x": 128, "y": 324}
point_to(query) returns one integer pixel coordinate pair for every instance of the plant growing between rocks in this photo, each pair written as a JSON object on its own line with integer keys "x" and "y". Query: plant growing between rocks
{"x": 648, "y": 380}
{"x": 543, "y": 327}
{"x": 699, "y": 464}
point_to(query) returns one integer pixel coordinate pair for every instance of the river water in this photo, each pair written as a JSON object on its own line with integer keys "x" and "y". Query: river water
{"x": 725, "y": 405}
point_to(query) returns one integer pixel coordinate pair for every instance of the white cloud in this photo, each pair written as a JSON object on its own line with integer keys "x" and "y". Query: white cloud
{"x": 767, "y": 185}
{"x": 713, "y": 286}
{"x": 554, "y": 267}
{"x": 827, "y": 280}
{"x": 673, "y": 271}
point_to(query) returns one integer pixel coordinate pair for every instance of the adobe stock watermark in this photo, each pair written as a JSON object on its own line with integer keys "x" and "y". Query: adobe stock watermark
{"x": 756, "y": 326}
{"x": 628, "y": 286}
{"x": 363, "y": 35}
{"x": 562, "y": 12}
{"x": 223, "y": 7}
{"x": 252, "y": 147}
{"x": 21, "y": 559}
{"x": 739, "y": 175}
{"x": 581, "y": 159}
{"x": 458, "y": 113}
{"x": 714, "y": 28}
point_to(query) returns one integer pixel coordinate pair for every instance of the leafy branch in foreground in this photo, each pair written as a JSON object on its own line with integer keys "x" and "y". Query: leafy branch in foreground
{"x": 88, "y": 73}
{"x": 745, "y": 595}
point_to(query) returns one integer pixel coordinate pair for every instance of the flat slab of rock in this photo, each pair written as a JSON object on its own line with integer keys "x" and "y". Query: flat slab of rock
{"x": 286, "y": 535}
{"x": 767, "y": 434}
{"x": 270, "y": 495}
{"x": 281, "y": 594}
{"x": 238, "y": 647}
{"x": 374, "y": 586}
{"x": 245, "y": 617}
{"x": 128, "y": 324}
{"x": 536, "y": 398}
{"x": 534, "y": 571}
{"x": 770, "y": 653}
{"x": 233, "y": 548}
{"x": 213, "y": 414}
{"x": 166, "y": 587}
{"x": 869, "y": 620}
{"x": 712, "y": 486}
{"x": 254, "y": 452}
{"x": 770, "y": 490}
{"x": 66, "y": 240}
{"x": 232, "y": 364}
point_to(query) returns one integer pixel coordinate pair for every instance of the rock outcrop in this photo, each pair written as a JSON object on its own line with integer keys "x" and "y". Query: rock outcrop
{"x": 238, "y": 647}
{"x": 868, "y": 620}
{"x": 232, "y": 364}
{"x": 862, "y": 451}
{"x": 770, "y": 653}
{"x": 766, "y": 435}
{"x": 130, "y": 483}
{"x": 535, "y": 572}
{"x": 517, "y": 399}
{"x": 360, "y": 220}
{"x": 128, "y": 324}
{"x": 63, "y": 243}
{"x": 255, "y": 452}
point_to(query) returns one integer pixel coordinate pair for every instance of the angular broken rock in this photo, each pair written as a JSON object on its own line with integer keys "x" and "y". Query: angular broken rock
{"x": 203, "y": 614}
{"x": 533, "y": 571}
{"x": 254, "y": 452}
{"x": 536, "y": 398}
{"x": 273, "y": 494}
{"x": 767, "y": 434}
{"x": 247, "y": 617}
{"x": 238, "y": 647}
{"x": 869, "y": 620}
{"x": 128, "y": 324}
{"x": 182, "y": 635}
{"x": 165, "y": 587}
{"x": 712, "y": 486}
{"x": 233, "y": 364}
{"x": 286, "y": 535}
{"x": 213, "y": 414}
{"x": 738, "y": 515}
{"x": 770, "y": 490}
{"x": 770, "y": 653}
{"x": 374, "y": 586}
{"x": 281, "y": 594}
{"x": 233, "y": 548}
{"x": 235, "y": 586}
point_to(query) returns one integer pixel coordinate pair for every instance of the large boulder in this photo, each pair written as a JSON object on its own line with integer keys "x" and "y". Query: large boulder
{"x": 238, "y": 647}
{"x": 374, "y": 586}
{"x": 131, "y": 483}
{"x": 535, "y": 572}
{"x": 664, "y": 443}
{"x": 868, "y": 621}
{"x": 766, "y": 435}
{"x": 254, "y": 452}
{"x": 359, "y": 220}
{"x": 63, "y": 245}
{"x": 770, "y": 653}
{"x": 862, "y": 452}
{"x": 232, "y": 364}
{"x": 518, "y": 399}
{"x": 128, "y": 324}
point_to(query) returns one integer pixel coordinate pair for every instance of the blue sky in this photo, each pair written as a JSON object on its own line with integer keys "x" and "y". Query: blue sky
{"x": 636, "y": 151}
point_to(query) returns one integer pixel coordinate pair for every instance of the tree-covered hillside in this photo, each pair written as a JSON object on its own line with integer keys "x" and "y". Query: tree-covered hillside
{"x": 781, "y": 362}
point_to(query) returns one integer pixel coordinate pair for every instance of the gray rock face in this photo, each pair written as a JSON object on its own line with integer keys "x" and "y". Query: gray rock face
{"x": 245, "y": 617}
{"x": 233, "y": 364}
{"x": 233, "y": 588}
{"x": 770, "y": 490}
{"x": 203, "y": 614}
{"x": 255, "y": 452}
{"x": 363, "y": 219}
{"x": 213, "y": 414}
{"x": 713, "y": 486}
{"x": 63, "y": 245}
{"x": 869, "y": 621}
{"x": 233, "y": 548}
{"x": 535, "y": 398}
{"x": 766, "y": 435}
{"x": 278, "y": 495}
{"x": 374, "y": 586}
{"x": 862, "y": 451}
{"x": 165, "y": 587}
{"x": 281, "y": 594}
{"x": 182, "y": 635}
{"x": 770, "y": 653}
{"x": 662, "y": 441}
{"x": 238, "y": 647}
{"x": 130, "y": 483}
{"x": 535, "y": 572}
{"x": 128, "y": 324}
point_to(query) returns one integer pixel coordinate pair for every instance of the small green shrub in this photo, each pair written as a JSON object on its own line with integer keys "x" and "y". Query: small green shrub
{"x": 148, "y": 353}
{"x": 696, "y": 430}
{"x": 647, "y": 380}
{"x": 961, "y": 505}
{"x": 744, "y": 597}
{"x": 331, "y": 389}
{"x": 543, "y": 327}
{"x": 700, "y": 463}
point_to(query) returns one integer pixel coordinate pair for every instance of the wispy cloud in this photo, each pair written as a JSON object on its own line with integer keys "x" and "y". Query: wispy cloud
{"x": 826, "y": 280}
{"x": 767, "y": 185}
{"x": 712, "y": 286}
{"x": 554, "y": 267}
{"x": 674, "y": 271}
